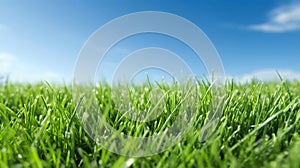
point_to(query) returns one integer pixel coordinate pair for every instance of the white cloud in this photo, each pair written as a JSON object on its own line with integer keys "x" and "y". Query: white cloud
{"x": 282, "y": 19}
{"x": 20, "y": 71}
{"x": 32, "y": 75}
{"x": 6, "y": 62}
{"x": 269, "y": 75}
{"x": 52, "y": 76}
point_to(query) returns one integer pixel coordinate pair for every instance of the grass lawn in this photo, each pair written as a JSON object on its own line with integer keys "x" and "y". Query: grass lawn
{"x": 259, "y": 127}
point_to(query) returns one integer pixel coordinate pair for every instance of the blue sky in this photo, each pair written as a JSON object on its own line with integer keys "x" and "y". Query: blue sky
{"x": 41, "y": 40}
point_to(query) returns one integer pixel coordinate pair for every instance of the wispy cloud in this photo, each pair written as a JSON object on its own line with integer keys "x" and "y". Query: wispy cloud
{"x": 2, "y": 27}
{"x": 23, "y": 74}
{"x": 51, "y": 75}
{"x": 269, "y": 75}
{"x": 282, "y": 19}
{"x": 6, "y": 62}
{"x": 20, "y": 71}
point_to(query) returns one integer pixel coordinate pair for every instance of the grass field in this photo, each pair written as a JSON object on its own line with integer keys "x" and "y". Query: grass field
{"x": 259, "y": 127}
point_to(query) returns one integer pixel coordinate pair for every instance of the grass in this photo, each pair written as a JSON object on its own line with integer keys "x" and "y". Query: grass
{"x": 259, "y": 127}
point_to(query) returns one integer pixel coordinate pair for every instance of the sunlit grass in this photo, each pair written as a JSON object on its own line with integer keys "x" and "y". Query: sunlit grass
{"x": 259, "y": 126}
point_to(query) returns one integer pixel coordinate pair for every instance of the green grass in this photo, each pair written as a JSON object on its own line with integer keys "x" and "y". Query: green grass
{"x": 259, "y": 127}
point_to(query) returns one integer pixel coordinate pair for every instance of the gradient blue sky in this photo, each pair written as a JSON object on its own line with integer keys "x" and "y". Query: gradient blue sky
{"x": 41, "y": 40}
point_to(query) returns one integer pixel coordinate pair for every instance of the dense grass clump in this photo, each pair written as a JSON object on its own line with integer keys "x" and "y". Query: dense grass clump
{"x": 259, "y": 127}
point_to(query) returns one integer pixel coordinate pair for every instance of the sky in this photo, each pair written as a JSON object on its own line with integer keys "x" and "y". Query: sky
{"x": 42, "y": 40}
